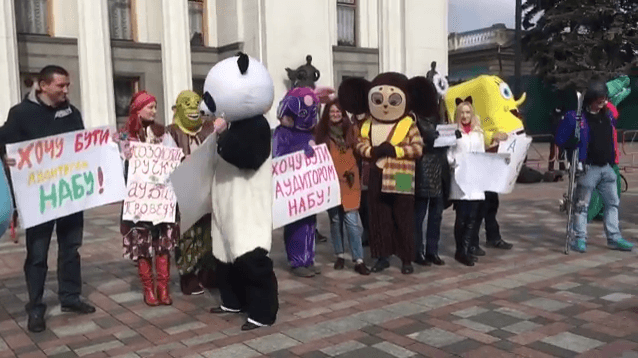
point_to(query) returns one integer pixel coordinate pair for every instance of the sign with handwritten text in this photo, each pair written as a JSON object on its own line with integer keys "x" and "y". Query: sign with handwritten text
{"x": 64, "y": 174}
{"x": 516, "y": 146}
{"x": 150, "y": 196}
{"x": 303, "y": 186}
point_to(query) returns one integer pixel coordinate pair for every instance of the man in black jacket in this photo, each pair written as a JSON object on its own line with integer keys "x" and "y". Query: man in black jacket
{"x": 44, "y": 113}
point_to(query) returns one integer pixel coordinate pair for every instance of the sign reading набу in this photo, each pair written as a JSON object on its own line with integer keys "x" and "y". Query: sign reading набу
{"x": 303, "y": 186}
{"x": 150, "y": 196}
{"x": 64, "y": 174}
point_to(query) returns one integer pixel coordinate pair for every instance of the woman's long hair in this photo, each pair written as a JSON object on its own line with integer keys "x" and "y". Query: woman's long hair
{"x": 475, "y": 122}
{"x": 322, "y": 131}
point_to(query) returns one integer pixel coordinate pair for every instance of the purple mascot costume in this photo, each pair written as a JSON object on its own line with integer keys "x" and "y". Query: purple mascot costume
{"x": 298, "y": 115}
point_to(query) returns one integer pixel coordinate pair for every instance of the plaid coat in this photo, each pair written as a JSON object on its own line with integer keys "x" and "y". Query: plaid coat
{"x": 398, "y": 173}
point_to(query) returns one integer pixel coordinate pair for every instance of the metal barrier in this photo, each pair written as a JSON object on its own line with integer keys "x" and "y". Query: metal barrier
{"x": 535, "y": 156}
{"x": 633, "y": 134}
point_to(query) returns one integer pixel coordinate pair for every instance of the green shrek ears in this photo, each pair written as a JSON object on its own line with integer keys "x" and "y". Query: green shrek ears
{"x": 187, "y": 116}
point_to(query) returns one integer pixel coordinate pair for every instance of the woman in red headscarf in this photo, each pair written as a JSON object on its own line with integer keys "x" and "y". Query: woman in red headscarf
{"x": 143, "y": 240}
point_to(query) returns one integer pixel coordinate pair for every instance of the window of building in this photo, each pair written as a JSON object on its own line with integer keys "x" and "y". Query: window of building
{"x": 120, "y": 19}
{"x": 346, "y": 23}
{"x": 196, "y": 21}
{"x": 32, "y": 16}
{"x": 124, "y": 88}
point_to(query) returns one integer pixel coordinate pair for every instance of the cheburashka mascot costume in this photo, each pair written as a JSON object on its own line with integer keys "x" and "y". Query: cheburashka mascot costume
{"x": 390, "y": 140}
{"x": 240, "y": 90}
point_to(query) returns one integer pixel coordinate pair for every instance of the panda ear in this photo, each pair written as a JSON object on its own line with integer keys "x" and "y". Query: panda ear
{"x": 423, "y": 97}
{"x": 210, "y": 102}
{"x": 353, "y": 95}
{"x": 242, "y": 63}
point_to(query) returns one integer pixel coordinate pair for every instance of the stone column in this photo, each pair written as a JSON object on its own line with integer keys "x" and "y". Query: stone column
{"x": 392, "y": 36}
{"x": 96, "y": 66}
{"x": 176, "y": 53}
{"x": 10, "y": 73}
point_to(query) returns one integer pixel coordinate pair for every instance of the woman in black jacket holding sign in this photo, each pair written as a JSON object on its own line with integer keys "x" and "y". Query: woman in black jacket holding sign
{"x": 432, "y": 188}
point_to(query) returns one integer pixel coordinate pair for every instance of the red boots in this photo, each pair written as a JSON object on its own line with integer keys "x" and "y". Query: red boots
{"x": 163, "y": 269}
{"x": 145, "y": 271}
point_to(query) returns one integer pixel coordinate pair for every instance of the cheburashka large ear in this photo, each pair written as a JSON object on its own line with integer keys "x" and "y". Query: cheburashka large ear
{"x": 353, "y": 95}
{"x": 423, "y": 96}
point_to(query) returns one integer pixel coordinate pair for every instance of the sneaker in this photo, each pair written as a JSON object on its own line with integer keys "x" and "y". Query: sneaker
{"x": 579, "y": 245}
{"x": 621, "y": 244}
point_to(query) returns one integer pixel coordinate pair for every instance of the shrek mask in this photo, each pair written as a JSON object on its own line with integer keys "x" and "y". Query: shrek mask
{"x": 187, "y": 116}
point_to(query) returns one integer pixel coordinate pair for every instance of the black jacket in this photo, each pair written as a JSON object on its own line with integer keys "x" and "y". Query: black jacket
{"x": 32, "y": 119}
{"x": 432, "y": 169}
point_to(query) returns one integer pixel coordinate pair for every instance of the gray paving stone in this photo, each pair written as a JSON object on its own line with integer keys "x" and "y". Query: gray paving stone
{"x": 160, "y": 311}
{"x": 495, "y": 319}
{"x": 479, "y": 327}
{"x": 377, "y": 316}
{"x": 271, "y": 343}
{"x": 130, "y": 296}
{"x": 483, "y": 288}
{"x": 308, "y": 334}
{"x": 565, "y": 286}
{"x": 97, "y": 348}
{"x": 206, "y": 338}
{"x": 233, "y": 351}
{"x": 321, "y": 297}
{"x": 394, "y": 350}
{"x": 459, "y": 295}
{"x": 185, "y": 327}
{"x": 469, "y": 312}
{"x": 573, "y": 342}
{"x": 617, "y": 297}
{"x": 342, "y": 348}
{"x": 433, "y": 301}
{"x": 343, "y": 325}
{"x": 521, "y": 327}
{"x": 75, "y": 329}
{"x": 436, "y": 337}
{"x": 546, "y": 304}
{"x": 514, "y": 313}
{"x": 366, "y": 352}
{"x": 160, "y": 349}
{"x": 406, "y": 308}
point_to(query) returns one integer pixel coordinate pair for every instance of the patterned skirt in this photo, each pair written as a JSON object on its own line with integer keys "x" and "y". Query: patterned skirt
{"x": 193, "y": 246}
{"x": 144, "y": 239}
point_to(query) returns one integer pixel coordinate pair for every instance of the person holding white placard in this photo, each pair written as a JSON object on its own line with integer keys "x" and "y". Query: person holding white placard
{"x": 143, "y": 240}
{"x": 469, "y": 140}
{"x": 46, "y": 112}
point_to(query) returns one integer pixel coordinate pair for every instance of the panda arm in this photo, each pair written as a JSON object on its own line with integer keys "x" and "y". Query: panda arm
{"x": 246, "y": 144}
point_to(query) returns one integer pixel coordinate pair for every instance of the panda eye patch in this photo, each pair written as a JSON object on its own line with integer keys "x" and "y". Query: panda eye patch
{"x": 377, "y": 98}
{"x": 395, "y": 99}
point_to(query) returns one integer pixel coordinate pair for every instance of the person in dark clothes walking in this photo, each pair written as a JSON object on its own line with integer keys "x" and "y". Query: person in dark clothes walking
{"x": 44, "y": 113}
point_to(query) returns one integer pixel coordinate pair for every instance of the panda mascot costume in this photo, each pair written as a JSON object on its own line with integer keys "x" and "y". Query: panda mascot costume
{"x": 240, "y": 90}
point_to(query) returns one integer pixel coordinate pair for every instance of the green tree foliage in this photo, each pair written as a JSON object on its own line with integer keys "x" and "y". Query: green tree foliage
{"x": 572, "y": 41}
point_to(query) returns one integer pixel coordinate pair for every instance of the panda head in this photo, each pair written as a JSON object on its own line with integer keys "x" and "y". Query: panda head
{"x": 237, "y": 88}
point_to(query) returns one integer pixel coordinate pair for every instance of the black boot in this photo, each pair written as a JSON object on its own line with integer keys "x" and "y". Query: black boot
{"x": 461, "y": 245}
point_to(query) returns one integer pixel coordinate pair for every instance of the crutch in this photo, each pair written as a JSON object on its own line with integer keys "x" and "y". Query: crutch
{"x": 570, "y": 196}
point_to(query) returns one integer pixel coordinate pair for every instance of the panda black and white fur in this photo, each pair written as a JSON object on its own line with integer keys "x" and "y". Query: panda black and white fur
{"x": 240, "y": 90}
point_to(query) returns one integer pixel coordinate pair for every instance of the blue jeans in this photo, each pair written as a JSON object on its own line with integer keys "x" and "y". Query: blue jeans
{"x": 433, "y": 208}
{"x": 603, "y": 179}
{"x": 351, "y": 218}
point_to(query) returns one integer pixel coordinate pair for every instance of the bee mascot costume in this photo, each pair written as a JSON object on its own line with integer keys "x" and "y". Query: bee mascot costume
{"x": 240, "y": 90}
{"x": 390, "y": 140}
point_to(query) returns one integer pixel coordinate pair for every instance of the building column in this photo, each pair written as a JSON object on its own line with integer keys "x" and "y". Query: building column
{"x": 176, "y": 53}
{"x": 392, "y": 36}
{"x": 10, "y": 73}
{"x": 96, "y": 66}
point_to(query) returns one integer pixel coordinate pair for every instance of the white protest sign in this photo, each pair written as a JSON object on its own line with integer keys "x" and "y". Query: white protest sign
{"x": 482, "y": 172}
{"x": 150, "y": 196}
{"x": 447, "y": 135}
{"x": 303, "y": 186}
{"x": 64, "y": 174}
{"x": 516, "y": 146}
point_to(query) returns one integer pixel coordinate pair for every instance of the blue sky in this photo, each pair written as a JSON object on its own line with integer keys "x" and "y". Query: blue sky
{"x": 466, "y": 15}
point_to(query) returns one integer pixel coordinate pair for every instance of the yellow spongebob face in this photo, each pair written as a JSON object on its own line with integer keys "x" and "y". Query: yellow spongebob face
{"x": 493, "y": 101}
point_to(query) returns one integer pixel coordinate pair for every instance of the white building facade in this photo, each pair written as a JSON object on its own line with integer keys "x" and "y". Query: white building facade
{"x": 113, "y": 48}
